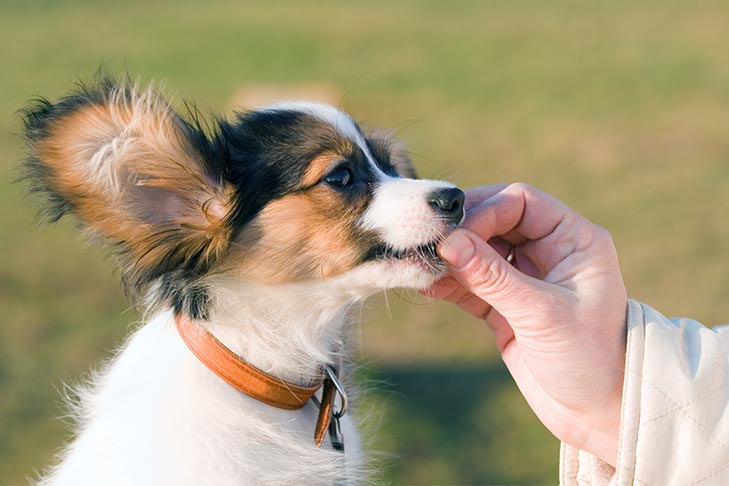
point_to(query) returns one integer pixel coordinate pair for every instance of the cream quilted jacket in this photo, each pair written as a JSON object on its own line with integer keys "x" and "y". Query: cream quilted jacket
{"x": 675, "y": 416}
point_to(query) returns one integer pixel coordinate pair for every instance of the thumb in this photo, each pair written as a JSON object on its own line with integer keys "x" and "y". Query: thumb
{"x": 485, "y": 273}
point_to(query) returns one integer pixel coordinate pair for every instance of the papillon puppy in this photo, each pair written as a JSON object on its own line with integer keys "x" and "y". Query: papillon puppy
{"x": 245, "y": 242}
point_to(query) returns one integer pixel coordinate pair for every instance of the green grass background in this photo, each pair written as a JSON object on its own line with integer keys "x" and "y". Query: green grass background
{"x": 619, "y": 108}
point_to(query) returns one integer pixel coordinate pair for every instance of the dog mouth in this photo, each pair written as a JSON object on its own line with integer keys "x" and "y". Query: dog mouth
{"x": 424, "y": 255}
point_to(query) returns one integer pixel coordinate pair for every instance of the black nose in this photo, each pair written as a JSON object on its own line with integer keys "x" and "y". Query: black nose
{"x": 448, "y": 203}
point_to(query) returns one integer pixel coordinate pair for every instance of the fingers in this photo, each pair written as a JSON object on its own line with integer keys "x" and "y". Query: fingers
{"x": 449, "y": 289}
{"x": 503, "y": 332}
{"x": 446, "y": 288}
{"x": 477, "y": 195}
{"x": 519, "y": 211}
{"x": 545, "y": 230}
{"x": 482, "y": 271}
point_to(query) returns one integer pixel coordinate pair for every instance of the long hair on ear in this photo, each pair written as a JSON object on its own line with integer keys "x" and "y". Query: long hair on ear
{"x": 137, "y": 175}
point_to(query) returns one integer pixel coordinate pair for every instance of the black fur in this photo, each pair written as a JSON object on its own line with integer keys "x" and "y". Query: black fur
{"x": 263, "y": 154}
{"x": 37, "y": 118}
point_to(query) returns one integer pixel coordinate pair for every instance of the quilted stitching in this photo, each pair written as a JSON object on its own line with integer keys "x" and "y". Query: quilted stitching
{"x": 713, "y": 473}
{"x": 663, "y": 380}
{"x": 678, "y": 407}
{"x": 664, "y": 339}
{"x": 682, "y": 409}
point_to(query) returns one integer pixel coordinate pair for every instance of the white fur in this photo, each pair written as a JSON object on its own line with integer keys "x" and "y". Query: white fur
{"x": 328, "y": 114}
{"x": 399, "y": 211}
{"x": 157, "y": 416}
{"x": 401, "y": 214}
{"x": 127, "y": 129}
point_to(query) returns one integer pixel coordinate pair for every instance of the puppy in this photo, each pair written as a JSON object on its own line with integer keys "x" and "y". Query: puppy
{"x": 245, "y": 243}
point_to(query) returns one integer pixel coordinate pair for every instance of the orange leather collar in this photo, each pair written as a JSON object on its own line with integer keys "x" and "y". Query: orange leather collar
{"x": 250, "y": 380}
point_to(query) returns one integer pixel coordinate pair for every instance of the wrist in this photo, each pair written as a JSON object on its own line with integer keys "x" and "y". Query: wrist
{"x": 603, "y": 436}
{"x": 606, "y": 437}
{"x": 603, "y": 444}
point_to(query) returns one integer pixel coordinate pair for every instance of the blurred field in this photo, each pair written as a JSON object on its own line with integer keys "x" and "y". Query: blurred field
{"x": 620, "y": 108}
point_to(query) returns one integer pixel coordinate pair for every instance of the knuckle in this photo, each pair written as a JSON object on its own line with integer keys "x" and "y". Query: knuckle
{"x": 605, "y": 242}
{"x": 603, "y": 235}
{"x": 488, "y": 277}
{"x": 522, "y": 188}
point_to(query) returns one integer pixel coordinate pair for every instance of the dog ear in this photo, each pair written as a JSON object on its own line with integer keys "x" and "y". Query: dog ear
{"x": 135, "y": 173}
{"x": 389, "y": 149}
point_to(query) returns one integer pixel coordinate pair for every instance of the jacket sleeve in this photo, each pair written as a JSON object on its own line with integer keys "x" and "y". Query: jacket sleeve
{"x": 675, "y": 414}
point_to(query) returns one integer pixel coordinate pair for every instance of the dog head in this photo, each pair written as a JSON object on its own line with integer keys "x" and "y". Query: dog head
{"x": 292, "y": 193}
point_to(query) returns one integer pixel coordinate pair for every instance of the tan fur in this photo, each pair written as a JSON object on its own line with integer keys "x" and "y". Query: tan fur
{"x": 319, "y": 167}
{"x": 106, "y": 159}
{"x": 304, "y": 236}
{"x": 308, "y": 235}
{"x": 126, "y": 167}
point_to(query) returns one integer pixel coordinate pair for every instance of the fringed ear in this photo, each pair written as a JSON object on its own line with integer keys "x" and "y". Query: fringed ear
{"x": 134, "y": 173}
{"x": 389, "y": 149}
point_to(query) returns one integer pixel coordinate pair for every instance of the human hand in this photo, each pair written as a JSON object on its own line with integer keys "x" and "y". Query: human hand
{"x": 558, "y": 314}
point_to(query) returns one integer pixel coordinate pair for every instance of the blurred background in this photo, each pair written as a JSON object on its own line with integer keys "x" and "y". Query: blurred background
{"x": 619, "y": 108}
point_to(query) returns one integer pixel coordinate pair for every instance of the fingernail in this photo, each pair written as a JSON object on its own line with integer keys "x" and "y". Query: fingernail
{"x": 457, "y": 249}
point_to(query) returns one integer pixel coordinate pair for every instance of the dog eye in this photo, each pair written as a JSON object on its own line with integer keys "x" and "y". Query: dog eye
{"x": 341, "y": 176}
